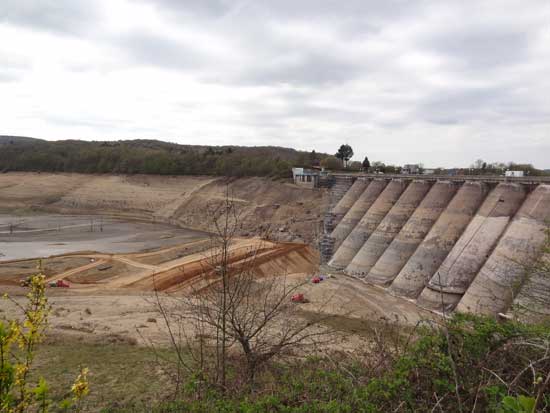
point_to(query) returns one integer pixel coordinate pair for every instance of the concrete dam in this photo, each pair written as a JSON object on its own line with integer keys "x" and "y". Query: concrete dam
{"x": 451, "y": 244}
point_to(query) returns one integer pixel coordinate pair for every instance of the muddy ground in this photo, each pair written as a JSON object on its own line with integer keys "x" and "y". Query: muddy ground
{"x": 110, "y": 296}
{"x": 289, "y": 212}
{"x": 38, "y": 235}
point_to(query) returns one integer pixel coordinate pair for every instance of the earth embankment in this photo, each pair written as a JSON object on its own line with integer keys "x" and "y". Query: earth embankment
{"x": 288, "y": 212}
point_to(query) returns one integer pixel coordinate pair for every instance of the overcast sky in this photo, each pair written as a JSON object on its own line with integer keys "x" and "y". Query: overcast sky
{"x": 438, "y": 82}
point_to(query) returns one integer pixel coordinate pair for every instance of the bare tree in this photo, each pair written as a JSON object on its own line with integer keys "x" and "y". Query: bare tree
{"x": 230, "y": 307}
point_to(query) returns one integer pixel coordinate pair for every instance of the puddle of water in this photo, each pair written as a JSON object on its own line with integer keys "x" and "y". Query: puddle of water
{"x": 45, "y": 235}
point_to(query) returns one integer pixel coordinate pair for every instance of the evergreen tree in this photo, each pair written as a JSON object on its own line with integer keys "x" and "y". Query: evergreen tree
{"x": 345, "y": 153}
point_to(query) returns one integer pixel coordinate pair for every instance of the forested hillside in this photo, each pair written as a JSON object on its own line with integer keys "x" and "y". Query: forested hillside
{"x": 149, "y": 157}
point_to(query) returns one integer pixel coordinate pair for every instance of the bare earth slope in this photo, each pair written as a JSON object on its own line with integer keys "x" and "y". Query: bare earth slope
{"x": 292, "y": 213}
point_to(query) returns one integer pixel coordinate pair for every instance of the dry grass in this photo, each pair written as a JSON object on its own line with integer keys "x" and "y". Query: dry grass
{"x": 121, "y": 373}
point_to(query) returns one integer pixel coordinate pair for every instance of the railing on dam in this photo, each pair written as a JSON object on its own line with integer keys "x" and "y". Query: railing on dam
{"x": 457, "y": 178}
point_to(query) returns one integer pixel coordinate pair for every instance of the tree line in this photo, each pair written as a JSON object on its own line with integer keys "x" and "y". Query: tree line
{"x": 163, "y": 158}
{"x": 150, "y": 157}
{"x": 480, "y": 167}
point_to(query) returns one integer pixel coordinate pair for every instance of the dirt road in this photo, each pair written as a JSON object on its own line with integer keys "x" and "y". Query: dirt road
{"x": 99, "y": 316}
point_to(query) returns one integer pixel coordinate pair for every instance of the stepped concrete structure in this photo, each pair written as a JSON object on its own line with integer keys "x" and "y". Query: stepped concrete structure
{"x": 432, "y": 251}
{"x": 450, "y": 243}
{"x": 492, "y": 290}
{"x": 349, "y": 199}
{"x": 469, "y": 254}
{"x": 368, "y": 224}
{"x": 414, "y": 231}
{"x": 390, "y": 226}
{"x": 357, "y": 211}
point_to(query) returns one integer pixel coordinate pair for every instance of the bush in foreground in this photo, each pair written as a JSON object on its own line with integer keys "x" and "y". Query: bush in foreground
{"x": 19, "y": 341}
{"x": 470, "y": 364}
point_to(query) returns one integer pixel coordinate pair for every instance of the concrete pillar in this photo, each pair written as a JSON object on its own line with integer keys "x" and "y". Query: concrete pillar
{"x": 358, "y": 210}
{"x": 493, "y": 289}
{"x": 453, "y": 278}
{"x": 390, "y": 226}
{"x": 405, "y": 243}
{"x": 368, "y": 223}
{"x": 430, "y": 254}
{"x": 347, "y": 201}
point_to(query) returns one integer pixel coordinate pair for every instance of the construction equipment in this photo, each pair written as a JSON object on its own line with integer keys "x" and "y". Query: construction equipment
{"x": 58, "y": 284}
{"x": 298, "y": 298}
{"x": 318, "y": 278}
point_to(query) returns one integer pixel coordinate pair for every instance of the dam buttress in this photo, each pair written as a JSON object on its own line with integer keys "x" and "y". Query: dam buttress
{"x": 457, "y": 243}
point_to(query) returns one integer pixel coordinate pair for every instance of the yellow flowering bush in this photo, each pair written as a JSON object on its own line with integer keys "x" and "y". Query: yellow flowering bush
{"x": 18, "y": 342}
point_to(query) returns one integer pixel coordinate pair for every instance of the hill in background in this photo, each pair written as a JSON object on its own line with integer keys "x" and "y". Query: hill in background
{"x": 149, "y": 157}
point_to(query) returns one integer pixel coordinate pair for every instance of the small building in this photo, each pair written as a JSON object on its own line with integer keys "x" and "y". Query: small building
{"x": 428, "y": 172}
{"x": 514, "y": 174}
{"x": 308, "y": 178}
{"x": 410, "y": 169}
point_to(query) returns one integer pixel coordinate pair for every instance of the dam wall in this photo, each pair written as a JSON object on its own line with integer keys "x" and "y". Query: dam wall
{"x": 348, "y": 200}
{"x": 433, "y": 249}
{"x": 471, "y": 251}
{"x": 368, "y": 224}
{"x": 415, "y": 230}
{"x": 531, "y": 303}
{"x": 493, "y": 289}
{"x": 450, "y": 244}
{"x": 357, "y": 211}
{"x": 388, "y": 228}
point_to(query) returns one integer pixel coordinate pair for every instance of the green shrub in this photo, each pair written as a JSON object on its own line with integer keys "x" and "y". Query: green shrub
{"x": 19, "y": 341}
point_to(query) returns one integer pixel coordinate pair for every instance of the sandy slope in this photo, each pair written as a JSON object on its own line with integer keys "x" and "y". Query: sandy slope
{"x": 134, "y": 317}
{"x": 291, "y": 212}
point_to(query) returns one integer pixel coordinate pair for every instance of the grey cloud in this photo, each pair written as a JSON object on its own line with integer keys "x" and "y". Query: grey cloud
{"x": 489, "y": 104}
{"x": 66, "y": 16}
{"x": 302, "y": 106}
{"x": 483, "y": 48}
{"x": 6, "y": 77}
{"x": 269, "y": 59}
{"x": 267, "y": 55}
{"x": 454, "y": 106}
{"x": 307, "y": 111}
{"x": 151, "y": 49}
{"x": 326, "y": 68}
{"x": 103, "y": 124}
{"x": 292, "y": 9}
{"x": 307, "y": 69}
{"x": 205, "y": 8}
{"x": 12, "y": 68}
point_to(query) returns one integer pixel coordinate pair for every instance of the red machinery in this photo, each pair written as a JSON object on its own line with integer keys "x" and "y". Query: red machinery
{"x": 298, "y": 298}
{"x": 59, "y": 284}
